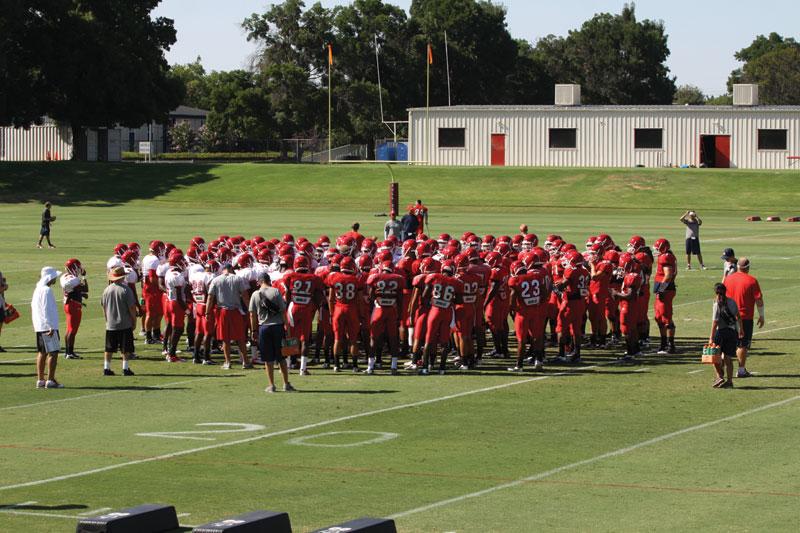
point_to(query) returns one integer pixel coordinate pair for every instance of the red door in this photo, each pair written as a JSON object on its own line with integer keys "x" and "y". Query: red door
{"x": 498, "y": 150}
{"x": 722, "y": 146}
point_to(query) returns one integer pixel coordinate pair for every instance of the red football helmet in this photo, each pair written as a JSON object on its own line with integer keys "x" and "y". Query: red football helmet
{"x": 452, "y": 243}
{"x": 465, "y": 237}
{"x": 387, "y": 266}
{"x": 368, "y": 247}
{"x": 450, "y": 252}
{"x": 605, "y": 240}
{"x": 385, "y": 255}
{"x": 627, "y": 262}
{"x": 516, "y": 242}
{"x": 473, "y": 241}
{"x": 409, "y": 247}
{"x": 518, "y": 268}
{"x": 177, "y": 260}
{"x": 245, "y": 261}
{"x": 493, "y": 259}
{"x": 348, "y": 265}
{"x": 258, "y": 239}
{"x": 635, "y": 244}
{"x": 264, "y": 256}
{"x": 212, "y": 266}
{"x": 473, "y": 255}
{"x": 423, "y": 250}
{"x": 74, "y": 267}
{"x": 573, "y": 259}
{"x": 541, "y": 255}
{"x": 288, "y": 238}
{"x": 205, "y": 257}
{"x": 345, "y": 244}
{"x": 193, "y": 253}
{"x": 224, "y": 255}
{"x": 422, "y": 237}
{"x": 567, "y": 247}
{"x": 661, "y": 246}
{"x": 301, "y": 263}
{"x": 199, "y": 243}
{"x": 443, "y": 239}
{"x": 364, "y": 262}
{"x": 135, "y": 248}
{"x": 429, "y": 265}
{"x": 503, "y": 248}
{"x": 487, "y": 244}
{"x": 449, "y": 266}
{"x": 530, "y": 241}
{"x": 612, "y": 256}
{"x": 286, "y": 249}
{"x": 462, "y": 262}
{"x": 120, "y": 249}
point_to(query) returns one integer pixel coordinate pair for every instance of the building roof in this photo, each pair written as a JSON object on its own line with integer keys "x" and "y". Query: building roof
{"x": 617, "y": 108}
{"x": 186, "y": 111}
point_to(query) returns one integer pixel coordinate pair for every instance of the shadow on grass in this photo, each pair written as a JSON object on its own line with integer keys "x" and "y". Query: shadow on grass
{"x": 130, "y": 387}
{"x": 105, "y": 184}
{"x": 753, "y": 387}
{"x": 17, "y": 375}
{"x": 224, "y": 376}
{"x": 368, "y": 392}
{"x": 33, "y": 507}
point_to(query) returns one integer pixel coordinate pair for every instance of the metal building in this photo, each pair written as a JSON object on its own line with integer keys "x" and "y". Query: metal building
{"x": 53, "y": 142}
{"x": 744, "y": 135}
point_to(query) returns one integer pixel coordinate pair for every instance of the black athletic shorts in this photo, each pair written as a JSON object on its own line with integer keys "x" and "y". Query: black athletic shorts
{"x": 726, "y": 340}
{"x": 747, "y": 338}
{"x": 119, "y": 341}
{"x": 40, "y": 347}
{"x": 45, "y": 231}
{"x": 692, "y": 246}
{"x": 269, "y": 343}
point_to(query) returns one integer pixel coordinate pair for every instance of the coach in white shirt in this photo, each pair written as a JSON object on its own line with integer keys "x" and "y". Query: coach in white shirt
{"x": 44, "y": 315}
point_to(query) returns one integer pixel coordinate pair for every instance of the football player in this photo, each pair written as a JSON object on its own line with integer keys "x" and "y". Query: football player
{"x": 664, "y": 288}
{"x": 204, "y": 325}
{"x": 444, "y": 292}
{"x": 76, "y": 288}
{"x": 385, "y": 290}
{"x": 575, "y": 288}
{"x": 343, "y": 299}
{"x": 151, "y": 292}
{"x": 600, "y": 272}
{"x": 304, "y": 293}
{"x": 175, "y": 283}
{"x": 627, "y": 295}
{"x": 467, "y": 310}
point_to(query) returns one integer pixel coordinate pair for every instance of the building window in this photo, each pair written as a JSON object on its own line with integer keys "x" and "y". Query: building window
{"x": 648, "y": 138}
{"x": 452, "y": 138}
{"x": 563, "y": 138}
{"x": 772, "y": 139}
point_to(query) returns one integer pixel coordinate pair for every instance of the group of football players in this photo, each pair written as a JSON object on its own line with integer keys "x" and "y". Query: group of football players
{"x": 423, "y": 299}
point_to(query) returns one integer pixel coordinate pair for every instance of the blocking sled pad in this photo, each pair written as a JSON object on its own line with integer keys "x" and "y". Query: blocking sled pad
{"x": 362, "y": 525}
{"x": 148, "y": 518}
{"x": 255, "y": 522}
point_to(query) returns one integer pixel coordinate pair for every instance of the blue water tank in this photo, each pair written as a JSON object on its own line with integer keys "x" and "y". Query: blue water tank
{"x": 402, "y": 152}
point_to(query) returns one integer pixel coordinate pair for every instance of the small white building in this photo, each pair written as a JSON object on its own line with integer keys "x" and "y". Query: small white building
{"x": 568, "y": 134}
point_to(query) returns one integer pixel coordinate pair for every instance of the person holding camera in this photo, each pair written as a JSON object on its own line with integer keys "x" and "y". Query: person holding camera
{"x": 726, "y": 332}
{"x": 693, "y": 223}
{"x": 267, "y": 308}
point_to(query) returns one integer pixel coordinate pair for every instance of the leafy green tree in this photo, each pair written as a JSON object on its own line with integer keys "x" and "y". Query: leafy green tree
{"x": 239, "y": 111}
{"x": 773, "y": 63}
{"x": 723, "y": 99}
{"x": 689, "y": 94}
{"x": 620, "y": 60}
{"x": 195, "y": 81}
{"x": 182, "y": 138}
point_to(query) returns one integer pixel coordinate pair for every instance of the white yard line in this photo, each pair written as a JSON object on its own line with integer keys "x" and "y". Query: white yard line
{"x": 591, "y": 460}
{"x": 118, "y": 391}
{"x": 696, "y": 371}
{"x": 14, "y": 505}
{"x": 286, "y": 431}
{"x": 776, "y": 329}
{"x": 18, "y": 360}
{"x": 94, "y": 511}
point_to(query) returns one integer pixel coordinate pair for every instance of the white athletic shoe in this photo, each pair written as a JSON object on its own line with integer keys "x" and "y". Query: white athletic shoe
{"x": 52, "y": 384}
{"x": 40, "y": 384}
{"x": 538, "y": 365}
{"x": 515, "y": 369}
{"x": 226, "y": 366}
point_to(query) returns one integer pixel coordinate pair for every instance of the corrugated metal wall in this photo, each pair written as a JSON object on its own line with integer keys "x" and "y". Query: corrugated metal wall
{"x": 604, "y": 136}
{"x": 35, "y": 143}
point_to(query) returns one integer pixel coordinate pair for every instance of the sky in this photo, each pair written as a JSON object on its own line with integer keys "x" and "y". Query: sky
{"x": 703, "y": 35}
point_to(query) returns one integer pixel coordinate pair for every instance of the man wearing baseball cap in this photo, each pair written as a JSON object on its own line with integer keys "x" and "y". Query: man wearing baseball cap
{"x": 729, "y": 266}
{"x": 44, "y": 315}
{"x": 119, "y": 309}
{"x": 744, "y": 290}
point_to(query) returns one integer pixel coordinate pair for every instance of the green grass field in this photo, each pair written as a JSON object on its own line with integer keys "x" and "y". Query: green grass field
{"x": 598, "y": 447}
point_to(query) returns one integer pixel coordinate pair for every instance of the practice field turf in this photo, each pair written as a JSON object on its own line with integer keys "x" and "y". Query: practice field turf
{"x": 600, "y": 446}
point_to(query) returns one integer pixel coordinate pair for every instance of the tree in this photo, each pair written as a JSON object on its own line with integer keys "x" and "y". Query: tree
{"x": 240, "y": 116}
{"x": 182, "y": 138}
{"x": 195, "y": 81}
{"x": 97, "y": 63}
{"x": 773, "y": 63}
{"x": 619, "y": 60}
{"x": 689, "y": 94}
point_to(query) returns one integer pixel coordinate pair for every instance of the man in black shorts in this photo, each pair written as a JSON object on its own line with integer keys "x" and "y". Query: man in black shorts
{"x": 693, "y": 223}
{"x": 47, "y": 218}
{"x": 119, "y": 309}
{"x": 267, "y": 307}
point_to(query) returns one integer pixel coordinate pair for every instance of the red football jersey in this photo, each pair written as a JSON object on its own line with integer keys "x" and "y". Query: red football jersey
{"x": 472, "y": 286}
{"x": 665, "y": 260}
{"x": 600, "y": 285}
{"x": 346, "y": 288}
{"x": 530, "y": 289}
{"x": 444, "y": 290}
{"x": 483, "y": 271}
{"x": 300, "y": 287}
{"x": 500, "y": 276}
{"x": 387, "y": 287}
{"x": 576, "y": 282}
{"x": 633, "y": 281}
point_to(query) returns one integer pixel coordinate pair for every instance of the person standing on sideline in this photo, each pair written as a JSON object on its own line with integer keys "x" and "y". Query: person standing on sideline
{"x": 119, "y": 310}
{"x": 744, "y": 290}
{"x": 226, "y": 295}
{"x": 693, "y": 223}
{"x": 729, "y": 265}
{"x": 44, "y": 315}
{"x": 76, "y": 288}
{"x": 409, "y": 225}
{"x": 393, "y": 227}
{"x": 47, "y": 218}
{"x": 421, "y": 212}
{"x": 3, "y": 289}
{"x": 267, "y": 308}
{"x": 726, "y": 326}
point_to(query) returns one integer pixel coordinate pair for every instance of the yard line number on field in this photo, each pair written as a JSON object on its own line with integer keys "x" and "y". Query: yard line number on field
{"x": 192, "y": 435}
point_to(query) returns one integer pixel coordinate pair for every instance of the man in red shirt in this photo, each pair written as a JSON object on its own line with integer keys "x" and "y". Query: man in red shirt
{"x": 496, "y": 303}
{"x": 627, "y": 295}
{"x": 745, "y": 291}
{"x": 419, "y": 306}
{"x": 405, "y": 268}
{"x": 600, "y": 272}
{"x": 444, "y": 292}
{"x": 467, "y": 310}
{"x": 484, "y": 272}
{"x": 421, "y": 212}
{"x": 386, "y": 298}
{"x": 575, "y": 288}
{"x": 345, "y": 292}
{"x": 664, "y": 288}
{"x": 303, "y": 291}
{"x": 529, "y": 296}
